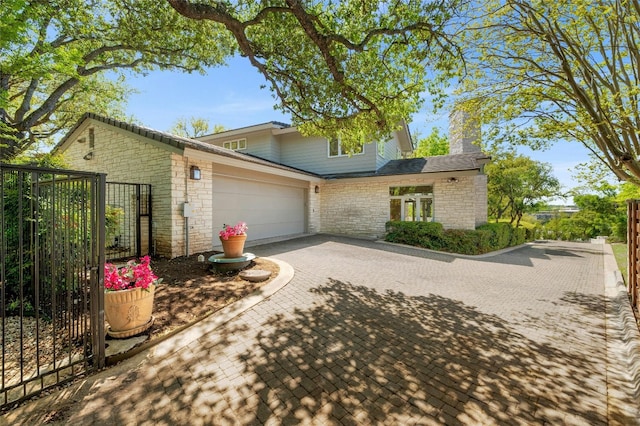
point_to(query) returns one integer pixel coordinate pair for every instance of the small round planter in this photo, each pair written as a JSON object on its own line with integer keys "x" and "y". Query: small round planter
{"x": 129, "y": 311}
{"x": 234, "y": 246}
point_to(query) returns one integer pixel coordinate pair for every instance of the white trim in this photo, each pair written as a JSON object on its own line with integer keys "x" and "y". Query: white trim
{"x": 340, "y": 154}
{"x": 241, "y": 144}
{"x": 242, "y": 131}
{"x": 221, "y": 159}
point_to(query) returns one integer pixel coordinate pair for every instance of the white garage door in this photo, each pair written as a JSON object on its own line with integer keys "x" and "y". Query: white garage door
{"x": 270, "y": 210}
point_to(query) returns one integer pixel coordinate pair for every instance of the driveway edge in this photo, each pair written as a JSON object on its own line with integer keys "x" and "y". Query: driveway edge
{"x": 623, "y": 348}
{"x": 66, "y": 399}
{"x": 225, "y": 314}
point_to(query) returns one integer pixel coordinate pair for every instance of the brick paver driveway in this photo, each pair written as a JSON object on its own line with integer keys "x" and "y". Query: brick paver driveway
{"x": 370, "y": 333}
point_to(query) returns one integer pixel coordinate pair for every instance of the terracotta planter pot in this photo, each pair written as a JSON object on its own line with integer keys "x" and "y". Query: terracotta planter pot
{"x": 129, "y": 311}
{"x": 234, "y": 246}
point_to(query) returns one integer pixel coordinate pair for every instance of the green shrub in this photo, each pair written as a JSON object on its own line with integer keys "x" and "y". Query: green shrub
{"x": 500, "y": 233}
{"x": 422, "y": 234}
{"x": 431, "y": 235}
{"x": 467, "y": 242}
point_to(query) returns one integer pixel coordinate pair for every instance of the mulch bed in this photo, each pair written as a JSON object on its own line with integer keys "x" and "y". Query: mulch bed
{"x": 190, "y": 291}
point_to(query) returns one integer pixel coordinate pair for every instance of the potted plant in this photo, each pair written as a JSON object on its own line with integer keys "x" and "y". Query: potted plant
{"x": 233, "y": 238}
{"x": 128, "y": 299}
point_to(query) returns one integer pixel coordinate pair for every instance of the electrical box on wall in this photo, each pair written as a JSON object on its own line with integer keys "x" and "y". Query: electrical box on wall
{"x": 186, "y": 210}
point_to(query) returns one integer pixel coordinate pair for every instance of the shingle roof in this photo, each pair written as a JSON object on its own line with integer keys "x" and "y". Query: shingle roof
{"x": 177, "y": 141}
{"x": 437, "y": 164}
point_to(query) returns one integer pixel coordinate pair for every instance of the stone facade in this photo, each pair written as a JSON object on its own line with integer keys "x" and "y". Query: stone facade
{"x": 199, "y": 196}
{"x": 464, "y": 133}
{"x": 118, "y": 154}
{"x": 454, "y": 202}
{"x": 361, "y": 206}
{"x": 482, "y": 213}
{"x": 353, "y": 206}
{"x": 314, "y": 205}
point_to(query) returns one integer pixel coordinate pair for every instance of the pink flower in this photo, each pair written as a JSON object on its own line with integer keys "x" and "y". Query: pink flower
{"x": 130, "y": 276}
{"x": 229, "y": 231}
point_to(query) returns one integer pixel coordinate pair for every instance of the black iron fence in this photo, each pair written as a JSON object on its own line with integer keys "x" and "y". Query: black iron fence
{"x": 52, "y": 244}
{"x": 128, "y": 220}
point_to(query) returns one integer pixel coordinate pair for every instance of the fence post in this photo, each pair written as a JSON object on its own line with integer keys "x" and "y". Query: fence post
{"x": 97, "y": 280}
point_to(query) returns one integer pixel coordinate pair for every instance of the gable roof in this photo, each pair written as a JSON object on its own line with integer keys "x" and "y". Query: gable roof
{"x": 175, "y": 141}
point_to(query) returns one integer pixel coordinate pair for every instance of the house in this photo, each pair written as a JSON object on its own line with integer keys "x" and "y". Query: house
{"x": 279, "y": 182}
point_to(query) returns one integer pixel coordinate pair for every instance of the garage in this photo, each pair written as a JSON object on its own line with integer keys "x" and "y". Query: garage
{"x": 269, "y": 209}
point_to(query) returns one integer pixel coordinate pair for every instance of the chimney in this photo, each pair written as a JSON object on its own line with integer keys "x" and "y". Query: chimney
{"x": 463, "y": 132}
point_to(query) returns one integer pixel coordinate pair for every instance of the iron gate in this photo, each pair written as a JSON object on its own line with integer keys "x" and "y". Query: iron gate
{"x": 128, "y": 220}
{"x": 51, "y": 262}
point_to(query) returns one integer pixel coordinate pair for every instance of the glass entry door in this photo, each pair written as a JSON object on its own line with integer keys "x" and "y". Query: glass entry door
{"x": 411, "y": 203}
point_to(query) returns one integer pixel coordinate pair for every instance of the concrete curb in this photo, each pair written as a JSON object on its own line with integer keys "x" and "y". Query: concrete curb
{"x": 623, "y": 348}
{"x": 31, "y": 411}
{"x": 462, "y": 256}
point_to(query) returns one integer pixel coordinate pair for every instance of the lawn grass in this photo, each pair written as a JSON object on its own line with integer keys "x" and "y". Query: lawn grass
{"x": 620, "y": 253}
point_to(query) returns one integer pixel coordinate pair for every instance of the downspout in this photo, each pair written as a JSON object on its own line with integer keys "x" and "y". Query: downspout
{"x": 186, "y": 203}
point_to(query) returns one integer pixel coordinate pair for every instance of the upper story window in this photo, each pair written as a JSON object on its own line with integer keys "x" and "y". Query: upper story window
{"x": 236, "y": 145}
{"x": 336, "y": 149}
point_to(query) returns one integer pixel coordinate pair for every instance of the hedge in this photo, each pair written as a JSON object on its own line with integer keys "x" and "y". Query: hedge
{"x": 431, "y": 235}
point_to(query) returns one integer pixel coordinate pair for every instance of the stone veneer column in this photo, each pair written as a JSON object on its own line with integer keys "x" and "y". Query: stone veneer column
{"x": 464, "y": 133}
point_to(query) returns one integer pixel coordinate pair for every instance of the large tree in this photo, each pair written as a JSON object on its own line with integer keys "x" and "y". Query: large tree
{"x": 351, "y": 69}
{"x": 194, "y": 127}
{"x": 54, "y": 56}
{"x": 434, "y": 144}
{"x": 539, "y": 71}
{"x": 517, "y": 185}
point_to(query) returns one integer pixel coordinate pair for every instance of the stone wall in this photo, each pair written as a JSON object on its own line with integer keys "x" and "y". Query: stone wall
{"x": 199, "y": 195}
{"x": 361, "y": 207}
{"x": 480, "y": 182}
{"x": 455, "y": 202}
{"x": 126, "y": 158}
{"x": 354, "y": 207}
{"x": 464, "y": 133}
{"x": 314, "y": 205}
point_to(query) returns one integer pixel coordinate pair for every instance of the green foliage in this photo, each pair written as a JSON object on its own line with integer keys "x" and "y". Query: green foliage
{"x": 350, "y": 70}
{"x": 54, "y": 56}
{"x": 627, "y": 191}
{"x": 423, "y": 234}
{"x": 501, "y": 233}
{"x": 545, "y": 71}
{"x": 431, "y": 235}
{"x": 620, "y": 252}
{"x": 434, "y": 144}
{"x": 112, "y": 219}
{"x": 594, "y": 177}
{"x": 194, "y": 127}
{"x": 598, "y": 216}
{"x": 516, "y": 184}
{"x": 43, "y": 219}
{"x": 18, "y": 308}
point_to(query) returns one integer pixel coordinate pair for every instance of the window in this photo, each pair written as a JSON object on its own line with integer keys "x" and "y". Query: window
{"x": 411, "y": 203}
{"x": 336, "y": 149}
{"x": 92, "y": 138}
{"x": 236, "y": 145}
{"x": 381, "y": 145}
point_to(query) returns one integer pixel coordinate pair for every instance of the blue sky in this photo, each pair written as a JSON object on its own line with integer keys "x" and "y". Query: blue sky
{"x": 232, "y": 96}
